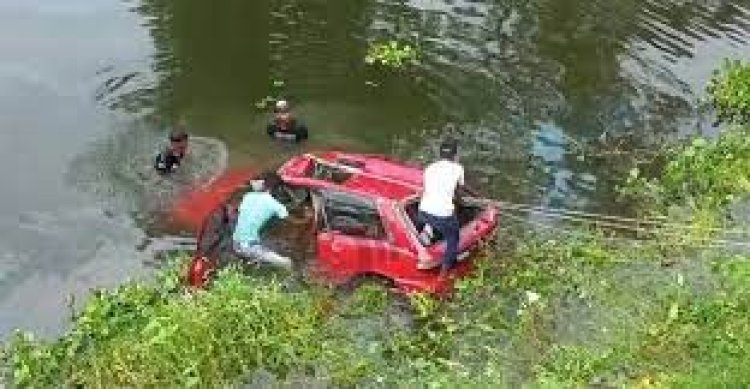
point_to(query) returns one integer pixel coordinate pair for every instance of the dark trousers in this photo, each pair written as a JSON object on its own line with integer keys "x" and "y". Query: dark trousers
{"x": 447, "y": 227}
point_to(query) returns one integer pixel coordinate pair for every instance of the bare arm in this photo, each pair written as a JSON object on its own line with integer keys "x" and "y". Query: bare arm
{"x": 460, "y": 191}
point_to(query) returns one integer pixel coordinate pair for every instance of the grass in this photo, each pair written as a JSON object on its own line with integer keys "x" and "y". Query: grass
{"x": 551, "y": 312}
{"x": 140, "y": 335}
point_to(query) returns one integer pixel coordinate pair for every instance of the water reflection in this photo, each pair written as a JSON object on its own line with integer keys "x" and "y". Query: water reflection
{"x": 576, "y": 67}
{"x": 541, "y": 92}
{"x": 53, "y": 240}
{"x": 214, "y": 61}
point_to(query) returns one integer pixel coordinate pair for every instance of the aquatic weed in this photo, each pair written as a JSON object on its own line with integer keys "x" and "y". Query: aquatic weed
{"x": 391, "y": 54}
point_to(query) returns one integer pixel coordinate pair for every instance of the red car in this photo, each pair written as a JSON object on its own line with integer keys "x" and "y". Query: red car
{"x": 364, "y": 210}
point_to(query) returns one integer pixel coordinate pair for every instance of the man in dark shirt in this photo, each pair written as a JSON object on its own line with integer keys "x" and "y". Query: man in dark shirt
{"x": 170, "y": 158}
{"x": 285, "y": 126}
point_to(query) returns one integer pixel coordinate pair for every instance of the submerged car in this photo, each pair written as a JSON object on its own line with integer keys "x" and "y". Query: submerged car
{"x": 363, "y": 222}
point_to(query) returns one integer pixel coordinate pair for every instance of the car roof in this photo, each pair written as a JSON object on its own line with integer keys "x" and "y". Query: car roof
{"x": 369, "y": 175}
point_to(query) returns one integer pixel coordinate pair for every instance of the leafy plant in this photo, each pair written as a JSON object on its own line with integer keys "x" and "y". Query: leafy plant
{"x": 729, "y": 92}
{"x": 703, "y": 174}
{"x": 391, "y": 54}
{"x": 710, "y": 173}
{"x": 137, "y": 335}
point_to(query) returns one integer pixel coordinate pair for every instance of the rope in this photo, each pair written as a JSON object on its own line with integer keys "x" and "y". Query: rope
{"x": 616, "y": 222}
{"x": 716, "y": 243}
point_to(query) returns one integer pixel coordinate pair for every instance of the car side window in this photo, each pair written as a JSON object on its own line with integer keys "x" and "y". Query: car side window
{"x": 352, "y": 216}
{"x": 292, "y": 197}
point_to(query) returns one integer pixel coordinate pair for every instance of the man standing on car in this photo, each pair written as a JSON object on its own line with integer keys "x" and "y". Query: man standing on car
{"x": 436, "y": 208}
{"x": 256, "y": 209}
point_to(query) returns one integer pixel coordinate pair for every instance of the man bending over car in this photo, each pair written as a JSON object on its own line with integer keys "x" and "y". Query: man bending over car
{"x": 256, "y": 209}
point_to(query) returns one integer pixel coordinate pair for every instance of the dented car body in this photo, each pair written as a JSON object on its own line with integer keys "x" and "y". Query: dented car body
{"x": 363, "y": 224}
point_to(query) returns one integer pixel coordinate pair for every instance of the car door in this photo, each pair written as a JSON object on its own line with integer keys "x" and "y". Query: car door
{"x": 351, "y": 240}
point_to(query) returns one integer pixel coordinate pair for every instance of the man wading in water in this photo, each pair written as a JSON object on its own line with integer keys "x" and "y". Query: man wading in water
{"x": 437, "y": 208}
{"x": 285, "y": 126}
{"x": 170, "y": 158}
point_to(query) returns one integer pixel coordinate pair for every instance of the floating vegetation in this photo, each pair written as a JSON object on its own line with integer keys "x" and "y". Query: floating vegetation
{"x": 265, "y": 102}
{"x": 391, "y": 54}
{"x": 269, "y": 100}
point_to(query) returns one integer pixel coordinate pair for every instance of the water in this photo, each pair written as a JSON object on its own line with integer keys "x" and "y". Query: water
{"x": 550, "y": 98}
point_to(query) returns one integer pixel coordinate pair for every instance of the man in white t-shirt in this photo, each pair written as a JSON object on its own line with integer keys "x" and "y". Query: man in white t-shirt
{"x": 437, "y": 208}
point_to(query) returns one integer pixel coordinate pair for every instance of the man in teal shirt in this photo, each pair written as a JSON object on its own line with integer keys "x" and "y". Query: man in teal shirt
{"x": 255, "y": 210}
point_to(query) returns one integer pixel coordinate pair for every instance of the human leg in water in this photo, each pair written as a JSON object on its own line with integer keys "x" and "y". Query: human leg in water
{"x": 260, "y": 253}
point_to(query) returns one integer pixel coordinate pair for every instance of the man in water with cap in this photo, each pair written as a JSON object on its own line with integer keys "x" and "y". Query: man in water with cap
{"x": 284, "y": 125}
{"x": 442, "y": 180}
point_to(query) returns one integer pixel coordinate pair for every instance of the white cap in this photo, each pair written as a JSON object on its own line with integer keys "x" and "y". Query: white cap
{"x": 282, "y": 105}
{"x": 257, "y": 185}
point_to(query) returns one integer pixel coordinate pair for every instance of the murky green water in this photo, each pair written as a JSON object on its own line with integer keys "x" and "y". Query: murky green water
{"x": 550, "y": 97}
